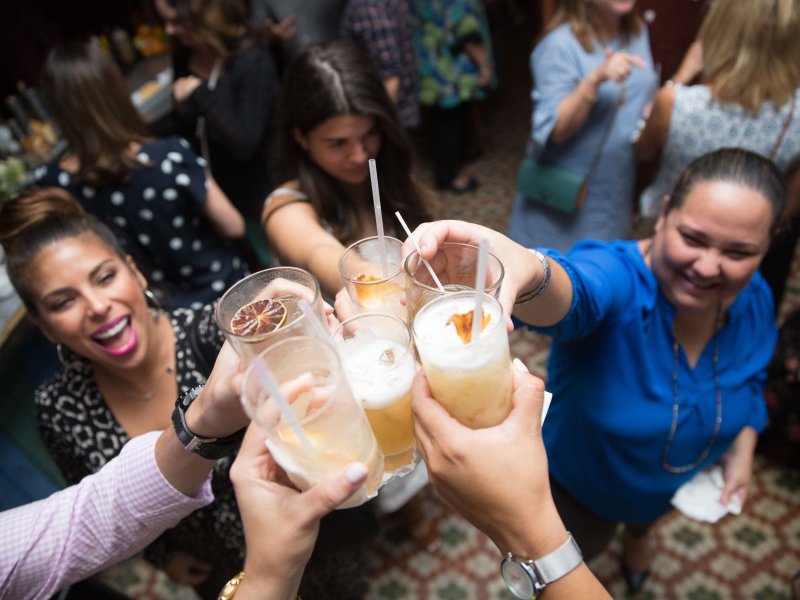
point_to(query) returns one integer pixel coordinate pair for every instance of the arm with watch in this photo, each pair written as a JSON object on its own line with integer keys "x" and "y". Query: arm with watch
{"x": 478, "y": 472}
{"x": 114, "y": 513}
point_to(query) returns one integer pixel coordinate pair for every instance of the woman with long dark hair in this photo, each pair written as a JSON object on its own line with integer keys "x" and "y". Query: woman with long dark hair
{"x": 334, "y": 116}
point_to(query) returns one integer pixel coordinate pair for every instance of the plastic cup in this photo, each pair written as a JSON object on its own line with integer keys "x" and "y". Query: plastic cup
{"x": 287, "y": 284}
{"x": 472, "y": 380}
{"x": 456, "y": 266}
{"x": 369, "y": 288}
{"x": 377, "y": 356}
{"x": 309, "y": 373}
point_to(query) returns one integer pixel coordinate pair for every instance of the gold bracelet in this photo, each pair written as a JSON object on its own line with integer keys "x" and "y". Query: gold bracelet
{"x": 229, "y": 591}
{"x": 230, "y": 588}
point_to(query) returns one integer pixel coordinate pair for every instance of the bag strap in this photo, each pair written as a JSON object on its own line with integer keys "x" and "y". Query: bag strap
{"x": 606, "y": 132}
{"x": 784, "y": 129}
{"x": 200, "y": 130}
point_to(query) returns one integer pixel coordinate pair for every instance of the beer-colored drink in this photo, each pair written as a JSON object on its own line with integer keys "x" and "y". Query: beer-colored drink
{"x": 327, "y": 429}
{"x": 377, "y": 358}
{"x": 472, "y": 379}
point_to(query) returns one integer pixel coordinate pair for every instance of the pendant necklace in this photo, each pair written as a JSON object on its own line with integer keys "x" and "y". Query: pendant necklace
{"x": 674, "y": 427}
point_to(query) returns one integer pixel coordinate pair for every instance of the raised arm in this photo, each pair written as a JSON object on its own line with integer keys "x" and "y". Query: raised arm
{"x": 296, "y": 235}
{"x": 525, "y": 272}
{"x": 653, "y": 139}
{"x": 114, "y": 513}
{"x": 480, "y": 473}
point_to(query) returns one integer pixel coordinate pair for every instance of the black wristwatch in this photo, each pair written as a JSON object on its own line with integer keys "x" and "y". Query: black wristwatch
{"x": 527, "y": 578}
{"x": 211, "y": 448}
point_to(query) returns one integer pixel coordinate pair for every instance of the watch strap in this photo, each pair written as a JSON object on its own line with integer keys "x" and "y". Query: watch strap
{"x": 211, "y": 448}
{"x": 558, "y": 563}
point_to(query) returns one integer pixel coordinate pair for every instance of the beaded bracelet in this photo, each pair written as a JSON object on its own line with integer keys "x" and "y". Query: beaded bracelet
{"x": 543, "y": 285}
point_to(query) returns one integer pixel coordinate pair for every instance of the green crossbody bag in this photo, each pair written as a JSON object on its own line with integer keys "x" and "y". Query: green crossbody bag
{"x": 555, "y": 186}
{"x": 551, "y": 185}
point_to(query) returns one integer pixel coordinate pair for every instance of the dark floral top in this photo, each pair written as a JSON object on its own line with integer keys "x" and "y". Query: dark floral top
{"x": 82, "y": 435}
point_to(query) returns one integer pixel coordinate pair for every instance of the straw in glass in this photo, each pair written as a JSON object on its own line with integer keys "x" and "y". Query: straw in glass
{"x": 318, "y": 327}
{"x": 376, "y": 202}
{"x": 269, "y": 384}
{"x": 480, "y": 284}
{"x": 416, "y": 245}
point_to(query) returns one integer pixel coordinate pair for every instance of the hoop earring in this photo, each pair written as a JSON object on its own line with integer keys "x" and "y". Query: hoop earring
{"x": 152, "y": 303}
{"x": 60, "y": 352}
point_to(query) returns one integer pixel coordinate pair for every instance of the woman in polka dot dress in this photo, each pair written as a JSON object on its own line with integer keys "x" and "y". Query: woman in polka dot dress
{"x": 154, "y": 194}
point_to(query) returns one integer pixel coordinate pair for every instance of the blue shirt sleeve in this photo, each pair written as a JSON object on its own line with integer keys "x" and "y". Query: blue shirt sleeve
{"x": 605, "y": 282}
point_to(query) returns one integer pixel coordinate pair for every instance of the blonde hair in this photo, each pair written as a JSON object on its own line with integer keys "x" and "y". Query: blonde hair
{"x": 751, "y": 51}
{"x": 579, "y": 17}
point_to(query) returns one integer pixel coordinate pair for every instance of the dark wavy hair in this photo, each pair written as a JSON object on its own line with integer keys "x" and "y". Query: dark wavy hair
{"x": 91, "y": 103}
{"x": 40, "y": 217}
{"x": 333, "y": 79}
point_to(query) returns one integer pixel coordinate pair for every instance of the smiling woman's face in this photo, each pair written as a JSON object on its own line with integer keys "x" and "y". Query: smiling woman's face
{"x": 707, "y": 250}
{"x": 90, "y": 300}
{"x": 342, "y": 146}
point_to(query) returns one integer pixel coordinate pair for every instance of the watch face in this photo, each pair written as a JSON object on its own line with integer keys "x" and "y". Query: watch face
{"x": 517, "y": 579}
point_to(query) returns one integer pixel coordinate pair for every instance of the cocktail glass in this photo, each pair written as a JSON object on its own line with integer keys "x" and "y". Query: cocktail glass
{"x": 472, "y": 380}
{"x": 456, "y": 266}
{"x": 376, "y": 353}
{"x": 329, "y": 428}
{"x": 288, "y": 285}
{"x": 369, "y": 288}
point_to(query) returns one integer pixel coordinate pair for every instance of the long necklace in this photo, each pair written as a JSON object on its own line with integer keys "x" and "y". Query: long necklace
{"x": 674, "y": 427}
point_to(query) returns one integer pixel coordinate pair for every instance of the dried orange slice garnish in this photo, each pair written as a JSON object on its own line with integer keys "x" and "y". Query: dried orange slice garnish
{"x": 463, "y": 324}
{"x": 258, "y": 317}
{"x": 371, "y": 294}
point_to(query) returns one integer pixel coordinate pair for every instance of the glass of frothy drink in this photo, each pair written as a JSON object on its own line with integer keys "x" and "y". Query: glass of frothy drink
{"x": 262, "y": 309}
{"x": 472, "y": 379}
{"x": 369, "y": 288}
{"x": 375, "y": 349}
{"x": 456, "y": 266}
{"x": 325, "y": 428}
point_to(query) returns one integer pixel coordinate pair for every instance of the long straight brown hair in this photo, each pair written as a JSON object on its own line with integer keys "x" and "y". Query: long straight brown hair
{"x": 337, "y": 79}
{"x": 88, "y": 97}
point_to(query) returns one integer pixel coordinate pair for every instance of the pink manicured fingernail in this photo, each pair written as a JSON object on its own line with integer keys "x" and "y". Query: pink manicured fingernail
{"x": 520, "y": 366}
{"x": 356, "y": 473}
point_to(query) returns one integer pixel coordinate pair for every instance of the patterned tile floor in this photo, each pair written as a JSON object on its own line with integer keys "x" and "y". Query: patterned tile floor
{"x": 752, "y": 556}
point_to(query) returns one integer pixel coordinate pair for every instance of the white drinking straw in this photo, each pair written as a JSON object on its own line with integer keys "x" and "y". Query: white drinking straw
{"x": 416, "y": 245}
{"x": 376, "y": 202}
{"x": 318, "y": 328}
{"x": 480, "y": 284}
{"x": 267, "y": 380}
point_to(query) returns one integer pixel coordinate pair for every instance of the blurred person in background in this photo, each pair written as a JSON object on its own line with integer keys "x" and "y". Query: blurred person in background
{"x": 155, "y": 195}
{"x": 592, "y": 78}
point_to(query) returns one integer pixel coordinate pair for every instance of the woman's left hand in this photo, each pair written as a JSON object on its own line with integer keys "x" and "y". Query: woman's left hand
{"x": 183, "y": 87}
{"x": 737, "y": 466}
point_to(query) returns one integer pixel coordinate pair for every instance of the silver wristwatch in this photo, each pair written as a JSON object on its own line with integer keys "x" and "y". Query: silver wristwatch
{"x": 526, "y": 578}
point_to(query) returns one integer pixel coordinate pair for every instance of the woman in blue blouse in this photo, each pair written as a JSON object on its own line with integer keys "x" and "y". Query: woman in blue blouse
{"x": 592, "y": 72}
{"x": 659, "y": 349}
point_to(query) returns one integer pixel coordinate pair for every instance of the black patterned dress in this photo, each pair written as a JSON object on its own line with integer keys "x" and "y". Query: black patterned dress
{"x": 82, "y": 434}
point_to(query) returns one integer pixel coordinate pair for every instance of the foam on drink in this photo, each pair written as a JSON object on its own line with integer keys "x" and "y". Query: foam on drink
{"x": 472, "y": 380}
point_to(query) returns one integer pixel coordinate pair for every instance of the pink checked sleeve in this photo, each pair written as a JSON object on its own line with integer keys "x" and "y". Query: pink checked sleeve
{"x": 80, "y": 530}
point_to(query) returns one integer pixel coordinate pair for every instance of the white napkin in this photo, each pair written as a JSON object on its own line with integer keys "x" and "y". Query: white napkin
{"x": 698, "y": 498}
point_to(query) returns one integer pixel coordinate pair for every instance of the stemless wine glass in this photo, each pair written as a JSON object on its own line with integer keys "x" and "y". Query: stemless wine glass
{"x": 378, "y": 360}
{"x": 456, "y": 267}
{"x": 283, "y": 285}
{"x": 321, "y": 428}
{"x": 471, "y": 379}
{"x": 369, "y": 288}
